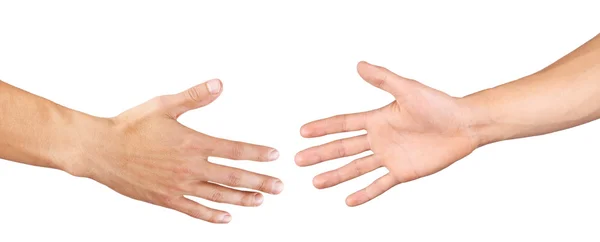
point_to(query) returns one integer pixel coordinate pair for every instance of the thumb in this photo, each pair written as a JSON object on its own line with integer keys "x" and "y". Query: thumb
{"x": 195, "y": 97}
{"x": 386, "y": 80}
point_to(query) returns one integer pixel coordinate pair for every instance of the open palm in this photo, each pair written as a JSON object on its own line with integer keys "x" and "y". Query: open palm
{"x": 422, "y": 132}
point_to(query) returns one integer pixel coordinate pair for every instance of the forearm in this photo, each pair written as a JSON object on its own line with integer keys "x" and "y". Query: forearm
{"x": 563, "y": 95}
{"x": 39, "y": 132}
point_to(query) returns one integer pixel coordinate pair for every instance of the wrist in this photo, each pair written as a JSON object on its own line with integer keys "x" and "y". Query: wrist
{"x": 80, "y": 137}
{"x": 483, "y": 119}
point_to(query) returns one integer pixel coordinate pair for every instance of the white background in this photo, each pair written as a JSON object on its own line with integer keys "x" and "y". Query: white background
{"x": 284, "y": 64}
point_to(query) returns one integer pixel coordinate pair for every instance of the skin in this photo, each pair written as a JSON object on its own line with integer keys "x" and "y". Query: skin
{"x": 425, "y": 130}
{"x": 143, "y": 153}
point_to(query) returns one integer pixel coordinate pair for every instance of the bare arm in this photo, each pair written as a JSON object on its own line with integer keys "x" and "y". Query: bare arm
{"x": 143, "y": 153}
{"x": 562, "y": 95}
{"x": 39, "y": 132}
{"x": 425, "y": 130}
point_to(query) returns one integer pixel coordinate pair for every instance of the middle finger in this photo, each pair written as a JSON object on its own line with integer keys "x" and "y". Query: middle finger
{"x": 235, "y": 177}
{"x": 333, "y": 150}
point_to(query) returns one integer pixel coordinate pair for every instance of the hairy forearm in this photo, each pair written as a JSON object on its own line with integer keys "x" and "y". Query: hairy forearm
{"x": 39, "y": 132}
{"x": 562, "y": 95}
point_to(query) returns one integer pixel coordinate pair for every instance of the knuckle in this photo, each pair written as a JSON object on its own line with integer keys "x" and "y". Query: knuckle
{"x": 234, "y": 178}
{"x": 159, "y": 100}
{"x": 206, "y": 150}
{"x": 381, "y": 77}
{"x": 262, "y": 154}
{"x": 380, "y": 82}
{"x": 236, "y": 150}
{"x": 338, "y": 176}
{"x": 378, "y": 186}
{"x": 194, "y": 94}
{"x": 165, "y": 101}
{"x": 317, "y": 158}
{"x": 216, "y": 196}
{"x": 180, "y": 187}
{"x": 247, "y": 200}
{"x": 341, "y": 148}
{"x": 344, "y": 123}
{"x": 202, "y": 144}
{"x": 196, "y": 213}
{"x": 190, "y": 143}
{"x": 370, "y": 193}
{"x": 166, "y": 200}
{"x": 262, "y": 186}
{"x": 357, "y": 168}
{"x": 184, "y": 169}
{"x": 365, "y": 117}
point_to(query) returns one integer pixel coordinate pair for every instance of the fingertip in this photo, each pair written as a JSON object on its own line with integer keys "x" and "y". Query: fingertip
{"x": 305, "y": 131}
{"x": 298, "y": 159}
{"x": 277, "y": 187}
{"x": 302, "y": 160}
{"x": 363, "y": 66}
{"x": 224, "y": 218}
{"x": 273, "y": 155}
{"x": 318, "y": 182}
{"x": 361, "y": 63}
{"x": 350, "y": 201}
{"x": 258, "y": 199}
{"x": 214, "y": 86}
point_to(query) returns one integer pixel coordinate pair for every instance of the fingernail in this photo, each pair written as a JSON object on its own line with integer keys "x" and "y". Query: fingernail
{"x": 226, "y": 218}
{"x": 277, "y": 187}
{"x": 258, "y": 199}
{"x": 273, "y": 155}
{"x": 214, "y": 86}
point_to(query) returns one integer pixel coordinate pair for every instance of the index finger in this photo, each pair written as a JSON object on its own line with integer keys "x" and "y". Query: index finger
{"x": 335, "y": 124}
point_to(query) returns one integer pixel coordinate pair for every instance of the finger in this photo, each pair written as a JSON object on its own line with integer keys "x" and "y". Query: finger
{"x": 235, "y": 177}
{"x": 221, "y": 194}
{"x": 236, "y": 150}
{"x": 350, "y": 171}
{"x": 193, "y": 98}
{"x": 199, "y": 211}
{"x": 335, "y": 124}
{"x": 376, "y": 188}
{"x": 386, "y": 80}
{"x": 333, "y": 150}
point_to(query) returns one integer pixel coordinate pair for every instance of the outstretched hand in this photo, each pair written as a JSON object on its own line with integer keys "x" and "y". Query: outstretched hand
{"x": 145, "y": 154}
{"x": 420, "y": 133}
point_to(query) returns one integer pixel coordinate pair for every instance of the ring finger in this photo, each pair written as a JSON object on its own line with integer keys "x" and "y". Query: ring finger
{"x": 221, "y": 194}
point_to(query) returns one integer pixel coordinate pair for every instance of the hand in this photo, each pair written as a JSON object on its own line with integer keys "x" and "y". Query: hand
{"x": 422, "y": 132}
{"x": 145, "y": 154}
